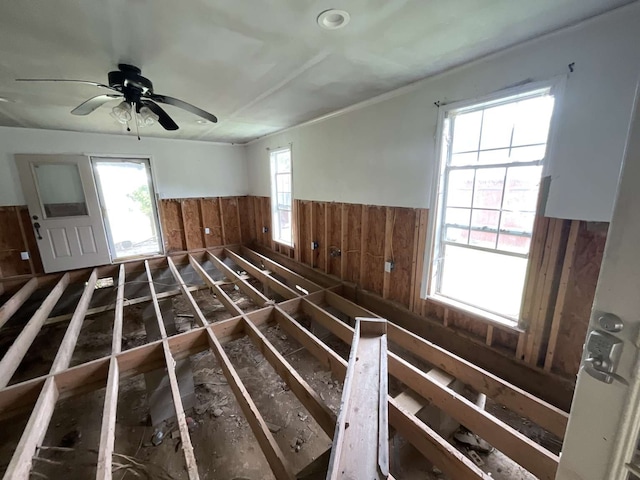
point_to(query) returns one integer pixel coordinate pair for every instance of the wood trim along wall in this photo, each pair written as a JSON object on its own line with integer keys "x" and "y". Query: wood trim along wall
{"x": 354, "y": 241}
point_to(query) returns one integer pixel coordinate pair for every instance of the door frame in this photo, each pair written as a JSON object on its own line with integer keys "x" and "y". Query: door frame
{"x": 154, "y": 203}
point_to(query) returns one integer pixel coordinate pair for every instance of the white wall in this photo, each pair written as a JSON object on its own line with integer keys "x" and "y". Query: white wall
{"x": 384, "y": 153}
{"x": 182, "y": 168}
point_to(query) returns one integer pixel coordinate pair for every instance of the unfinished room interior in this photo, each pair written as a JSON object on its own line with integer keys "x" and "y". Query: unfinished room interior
{"x": 350, "y": 240}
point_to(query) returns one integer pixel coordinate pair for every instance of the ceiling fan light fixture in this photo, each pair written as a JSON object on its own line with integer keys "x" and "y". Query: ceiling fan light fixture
{"x": 146, "y": 117}
{"x": 122, "y": 112}
{"x": 333, "y": 19}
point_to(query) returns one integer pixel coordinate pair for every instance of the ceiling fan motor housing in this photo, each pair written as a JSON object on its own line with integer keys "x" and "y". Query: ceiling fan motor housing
{"x": 130, "y": 82}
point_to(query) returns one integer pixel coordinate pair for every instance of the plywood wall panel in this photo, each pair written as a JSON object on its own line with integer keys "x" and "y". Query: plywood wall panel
{"x": 402, "y": 254}
{"x": 304, "y": 230}
{"x": 265, "y": 209}
{"x": 192, "y": 223}
{"x": 588, "y": 254}
{"x": 372, "y": 275}
{"x": 172, "y": 225}
{"x": 31, "y": 241}
{"x": 231, "y": 220}
{"x": 318, "y": 227}
{"x": 334, "y": 237}
{"x": 351, "y": 256}
{"x": 247, "y": 221}
{"x": 210, "y": 211}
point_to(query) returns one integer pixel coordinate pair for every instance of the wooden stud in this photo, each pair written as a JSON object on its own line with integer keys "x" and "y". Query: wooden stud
{"x": 12, "y": 305}
{"x": 388, "y": 234}
{"x": 187, "y": 447}
{"x": 25, "y": 242}
{"x": 11, "y": 360}
{"x": 417, "y": 270}
{"x": 344, "y": 241}
{"x": 239, "y": 221}
{"x": 224, "y": 235}
{"x": 273, "y": 283}
{"x": 489, "y": 338}
{"x": 65, "y": 351}
{"x": 20, "y": 465}
{"x": 284, "y": 272}
{"x": 257, "y": 297}
{"x": 301, "y": 389}
{"x": 364, "y": 227}
{"x": 559, "y": 308}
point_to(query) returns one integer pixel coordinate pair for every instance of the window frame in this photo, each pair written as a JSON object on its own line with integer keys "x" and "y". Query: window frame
{"x": 275, "y": 206}
{"x": 554, "y": 87}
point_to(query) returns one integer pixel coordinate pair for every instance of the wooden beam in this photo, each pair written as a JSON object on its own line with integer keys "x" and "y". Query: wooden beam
{"x": 108, "y": 428}
{"x": 116, "y": 344}
{"x": 222, "y": 229}
{"x": 451, "y": 461}
{"x": 221, "y": 295}
{"x": 276, "y": 459}
{"x": 428, "y": 442}
{"x": 301, "y": 389}
{"x": 558, "y": 311}
{"x": 12, "y": 305}
{"x": 20, "y": 465}
{"x": 284, "y": 272}
{"x": 187, "y": 447}
{"x": 418, "y": 268}
{"x": 11, "y": 360}
{"x": 364, "y": 227}
{"x": 273, "y": 283}
{"x": 361, "y": 441}
{"x": 344, "y": 241}
{"x": 125, "y": 303}
{"x": 524, "y": 451}
{"x": 65, "y": 351}
{"x": 544, "y": 414}
{"x": 256, "y": 296}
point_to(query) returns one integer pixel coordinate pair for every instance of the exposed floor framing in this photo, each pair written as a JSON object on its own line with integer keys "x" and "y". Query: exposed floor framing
{"x": 279, "y": 296}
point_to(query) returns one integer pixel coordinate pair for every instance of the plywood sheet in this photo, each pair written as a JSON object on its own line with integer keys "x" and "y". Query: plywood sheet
{"x": 192, "y": 223}
{"x": 581, "y": 290}
{"x": 247, "y": 221}
{"x": 402, "y": 254}
{"x": 319, "y": 222}
{"x": 31, "y": 241}
{"x": 334, "y": 237}
{"x": 10, "y": 235}
{"x": 372, "y": 274}
{"x": 230, "y": 219}
{"x": 171, "y": 217}
{"x": 304, "y": 224}
{"x": 210, "y": 211}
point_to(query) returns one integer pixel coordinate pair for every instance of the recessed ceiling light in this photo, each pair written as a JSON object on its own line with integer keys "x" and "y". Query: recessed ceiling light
{"x": 333, "y": 19}
{"x": 201, "y": 122}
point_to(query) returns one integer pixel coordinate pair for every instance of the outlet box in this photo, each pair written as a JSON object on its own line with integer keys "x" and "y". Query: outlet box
{"x": 388, "y": 266}
{"x": 24, "y": 255}
{"x": 314, "y": 245}
{"x": 207, "y": 230}
{"x": 265, "y": 229}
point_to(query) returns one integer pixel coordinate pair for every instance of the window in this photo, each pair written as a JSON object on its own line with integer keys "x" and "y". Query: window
{"x": 491, "y": 166}
{"x": 281, "y": 196}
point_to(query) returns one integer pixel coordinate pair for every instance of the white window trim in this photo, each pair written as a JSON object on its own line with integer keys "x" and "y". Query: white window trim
{"x": 556, "y": 87}
{"x": 274, "y": 206}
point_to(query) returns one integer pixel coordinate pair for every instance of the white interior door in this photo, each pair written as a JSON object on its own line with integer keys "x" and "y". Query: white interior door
{"x": 65, "y": 212}
{"x": 602, "y": 435}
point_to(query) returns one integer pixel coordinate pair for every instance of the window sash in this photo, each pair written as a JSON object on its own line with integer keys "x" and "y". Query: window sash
{"x": 449, "y": 166}
{"x": 281, "y": 197}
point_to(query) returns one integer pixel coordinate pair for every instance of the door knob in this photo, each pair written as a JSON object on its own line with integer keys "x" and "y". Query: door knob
{"x": 36, "y": 225}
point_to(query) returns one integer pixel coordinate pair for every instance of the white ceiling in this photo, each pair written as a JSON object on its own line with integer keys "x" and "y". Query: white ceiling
{"x": 259, "y": 65}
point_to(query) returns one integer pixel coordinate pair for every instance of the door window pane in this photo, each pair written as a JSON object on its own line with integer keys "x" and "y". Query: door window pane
{"x": 60, "y": 190}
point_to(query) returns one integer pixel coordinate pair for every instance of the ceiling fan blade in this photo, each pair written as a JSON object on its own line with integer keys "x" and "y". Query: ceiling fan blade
{"x": 90, "y": 105}
{"x": 86, "y": 82}
{"x": 164, "y": 119}
{"x": 185, "y": 106}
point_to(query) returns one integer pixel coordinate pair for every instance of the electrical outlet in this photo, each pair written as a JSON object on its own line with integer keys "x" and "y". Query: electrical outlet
{"x": 24, "y": 255}
{"x": 207, "y": 230}
{"x": 265, "y": 229}
{"x": 388, "y": 266}
{"x": 314, "y": 245}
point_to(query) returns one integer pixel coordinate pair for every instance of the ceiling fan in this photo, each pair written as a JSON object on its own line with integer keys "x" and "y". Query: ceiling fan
{"x": 139, "y": 102}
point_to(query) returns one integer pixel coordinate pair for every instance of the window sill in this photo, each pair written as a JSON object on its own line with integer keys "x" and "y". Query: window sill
{"x": 285, "y": 244}
{"x": 478, "y": 314}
